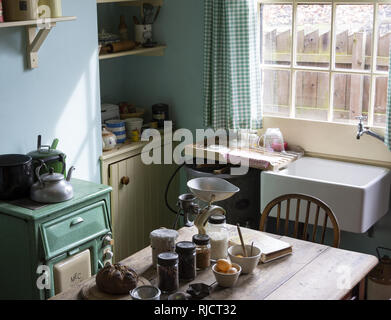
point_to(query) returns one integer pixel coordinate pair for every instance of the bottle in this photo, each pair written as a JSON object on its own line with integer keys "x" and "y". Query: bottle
{"x": 167, "y": 272}
{"x": 217, "y": 230}
{"x": 123, "y": 29}
{"x": 186, "y": 251}
{"x": 203, "y": 249}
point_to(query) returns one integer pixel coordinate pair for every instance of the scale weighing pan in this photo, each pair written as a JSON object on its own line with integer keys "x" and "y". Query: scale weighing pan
{"x": 210, "y": 189}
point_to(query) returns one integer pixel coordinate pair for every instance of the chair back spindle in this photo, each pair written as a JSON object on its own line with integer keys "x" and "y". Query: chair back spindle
{"x": 300, "y": 230}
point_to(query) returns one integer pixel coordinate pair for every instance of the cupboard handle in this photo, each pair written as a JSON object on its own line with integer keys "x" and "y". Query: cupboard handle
{"x": 125, "y": 181}
{"x": 76, "y": 221}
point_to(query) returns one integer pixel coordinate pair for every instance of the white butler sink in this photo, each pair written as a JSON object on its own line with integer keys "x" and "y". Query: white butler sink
{"x": 358, "y": 194}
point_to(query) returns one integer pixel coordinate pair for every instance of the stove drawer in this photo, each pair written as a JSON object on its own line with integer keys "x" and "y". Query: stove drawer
{"x": 67, "y": 232}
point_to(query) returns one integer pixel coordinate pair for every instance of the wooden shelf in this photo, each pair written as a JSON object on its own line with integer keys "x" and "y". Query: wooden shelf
{"x": 140, "y": 51}
{"x": 132, "y": 2}
{"x": 35, "y": 23}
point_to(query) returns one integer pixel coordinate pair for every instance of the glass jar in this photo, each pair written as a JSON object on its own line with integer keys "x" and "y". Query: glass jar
{"x": 167, "y": 272}
{"x": 202, "y": 242}
{"x": 217, "y": 230}
{"x": 162, "y": 240}
{"x": 186, "y": 251}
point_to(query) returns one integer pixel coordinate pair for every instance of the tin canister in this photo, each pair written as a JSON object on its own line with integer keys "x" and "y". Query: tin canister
{"x": 135, "y": 136}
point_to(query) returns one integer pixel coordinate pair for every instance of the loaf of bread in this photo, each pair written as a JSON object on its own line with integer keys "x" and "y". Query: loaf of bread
{"x": 116, "y": 279}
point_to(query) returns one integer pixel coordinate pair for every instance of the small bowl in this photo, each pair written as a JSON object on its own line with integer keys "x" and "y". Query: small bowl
{"x": 248, "y": 264}
{"x": 227, "y": 280}
{"x": 145, "y": 293}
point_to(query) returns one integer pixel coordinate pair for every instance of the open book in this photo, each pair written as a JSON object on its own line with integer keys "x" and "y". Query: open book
{"x": 271, "y": 248}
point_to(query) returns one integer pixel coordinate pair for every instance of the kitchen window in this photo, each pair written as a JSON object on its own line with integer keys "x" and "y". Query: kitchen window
{"x": 325, "y": 61}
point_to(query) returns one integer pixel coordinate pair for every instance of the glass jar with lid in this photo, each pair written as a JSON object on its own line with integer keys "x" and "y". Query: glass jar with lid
{"x": 186, "y": 251}
{"x": 167, "y": 272}
{"x": 202, "y": 242}
{"x": 217, "y": 230}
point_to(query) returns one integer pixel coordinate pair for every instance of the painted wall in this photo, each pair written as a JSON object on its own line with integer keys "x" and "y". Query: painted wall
{"x": 60, "y": 98}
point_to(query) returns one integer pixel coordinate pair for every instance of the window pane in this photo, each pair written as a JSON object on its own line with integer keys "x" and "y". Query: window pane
{"x": 353, "y": 44}
{"x": 379, "y": 117}
{"x": 384, "y": 35}
{"x": 312, "y": 95}
{"x": 276, "y": 30}
{"x": 275, "y": 92}
{"x": 351, "y": 97}
{"x": 313, "y": 35}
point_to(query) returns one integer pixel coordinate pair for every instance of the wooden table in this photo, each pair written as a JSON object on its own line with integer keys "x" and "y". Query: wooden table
{"x": 312, "y": 271}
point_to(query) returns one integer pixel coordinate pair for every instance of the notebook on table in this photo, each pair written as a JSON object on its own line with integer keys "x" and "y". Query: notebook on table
{"x": 271, "y": 248}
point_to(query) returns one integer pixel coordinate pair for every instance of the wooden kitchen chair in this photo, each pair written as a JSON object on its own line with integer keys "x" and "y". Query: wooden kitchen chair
{"x": 302, "y": 234}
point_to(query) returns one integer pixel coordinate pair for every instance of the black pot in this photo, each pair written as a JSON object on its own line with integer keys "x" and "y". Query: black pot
{"x": 16, "y": 176}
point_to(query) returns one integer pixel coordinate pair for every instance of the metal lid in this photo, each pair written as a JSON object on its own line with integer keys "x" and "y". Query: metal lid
{"x": 217, "y": 219}
{"x": 167, "y": 259}
{"x": 185, "y": 247}
{"x": 201, "y": 239}
{"x": 44, "y": 153}
{"x": 13, "y": 160}
{"x": 52, "y": 176}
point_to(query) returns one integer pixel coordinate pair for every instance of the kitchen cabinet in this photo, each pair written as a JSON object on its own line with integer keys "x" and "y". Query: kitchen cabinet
{"x": 138, "y": 197}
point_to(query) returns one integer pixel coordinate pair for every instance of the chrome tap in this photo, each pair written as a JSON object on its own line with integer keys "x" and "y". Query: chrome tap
{"x": 365, "y": 130}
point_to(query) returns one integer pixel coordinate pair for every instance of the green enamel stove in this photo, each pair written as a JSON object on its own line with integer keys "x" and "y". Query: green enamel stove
{"x": 50, "y": 248}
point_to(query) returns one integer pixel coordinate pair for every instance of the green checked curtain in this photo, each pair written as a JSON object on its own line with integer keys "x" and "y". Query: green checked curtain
{"x": 232, "y": 75}
{"x": 387, "y": 137}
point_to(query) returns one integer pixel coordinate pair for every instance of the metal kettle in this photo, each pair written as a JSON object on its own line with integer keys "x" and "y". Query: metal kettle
{"x": 52, "y": 187}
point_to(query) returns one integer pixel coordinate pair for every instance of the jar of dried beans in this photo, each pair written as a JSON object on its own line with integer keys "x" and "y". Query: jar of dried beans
{"x": 167, "y": 272}
{"x": 187, "y": 265}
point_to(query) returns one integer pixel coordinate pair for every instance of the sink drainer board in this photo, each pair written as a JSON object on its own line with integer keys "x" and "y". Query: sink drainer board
{"x": 258, "y": 158}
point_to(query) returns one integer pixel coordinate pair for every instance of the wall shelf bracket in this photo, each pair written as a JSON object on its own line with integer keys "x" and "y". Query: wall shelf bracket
{"x": 35, "y": 40}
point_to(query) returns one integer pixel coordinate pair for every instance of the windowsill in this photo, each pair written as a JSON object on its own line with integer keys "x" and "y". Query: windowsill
{"x": 322, "y": 122}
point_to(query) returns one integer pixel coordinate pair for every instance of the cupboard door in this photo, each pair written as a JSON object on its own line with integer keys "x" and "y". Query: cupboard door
{"x": 138, "y": 203}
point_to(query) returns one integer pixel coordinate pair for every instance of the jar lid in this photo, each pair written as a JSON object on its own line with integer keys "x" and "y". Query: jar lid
{"x": 164, "y": 234}
{"x": 167, "y": 258}
{"x": 217, "y": 219}
{"x": 201, "y": 239}
{"x": 185, "y": 247}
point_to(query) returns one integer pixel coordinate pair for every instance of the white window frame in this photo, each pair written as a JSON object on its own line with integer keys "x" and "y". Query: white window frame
{"x": 331, "y": 70}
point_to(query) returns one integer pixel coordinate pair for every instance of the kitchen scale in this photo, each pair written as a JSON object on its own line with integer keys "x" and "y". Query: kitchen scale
{"x": 209, "y": 190}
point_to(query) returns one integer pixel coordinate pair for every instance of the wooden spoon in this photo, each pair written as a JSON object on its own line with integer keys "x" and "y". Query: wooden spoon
{"x": 241, "y": 241}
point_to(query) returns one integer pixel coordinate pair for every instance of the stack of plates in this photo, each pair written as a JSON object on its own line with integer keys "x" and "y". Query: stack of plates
{"x": 118, "y": 128}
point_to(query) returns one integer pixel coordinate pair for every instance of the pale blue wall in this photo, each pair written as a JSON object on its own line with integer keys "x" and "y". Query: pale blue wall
{"x": 60, "y": 98}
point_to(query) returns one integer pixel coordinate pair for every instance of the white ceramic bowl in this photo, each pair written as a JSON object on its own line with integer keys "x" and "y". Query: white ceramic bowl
{"x": 227, "y": 280}
{"x": 248, "y": 264}
{"x": 134, "y": 123}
